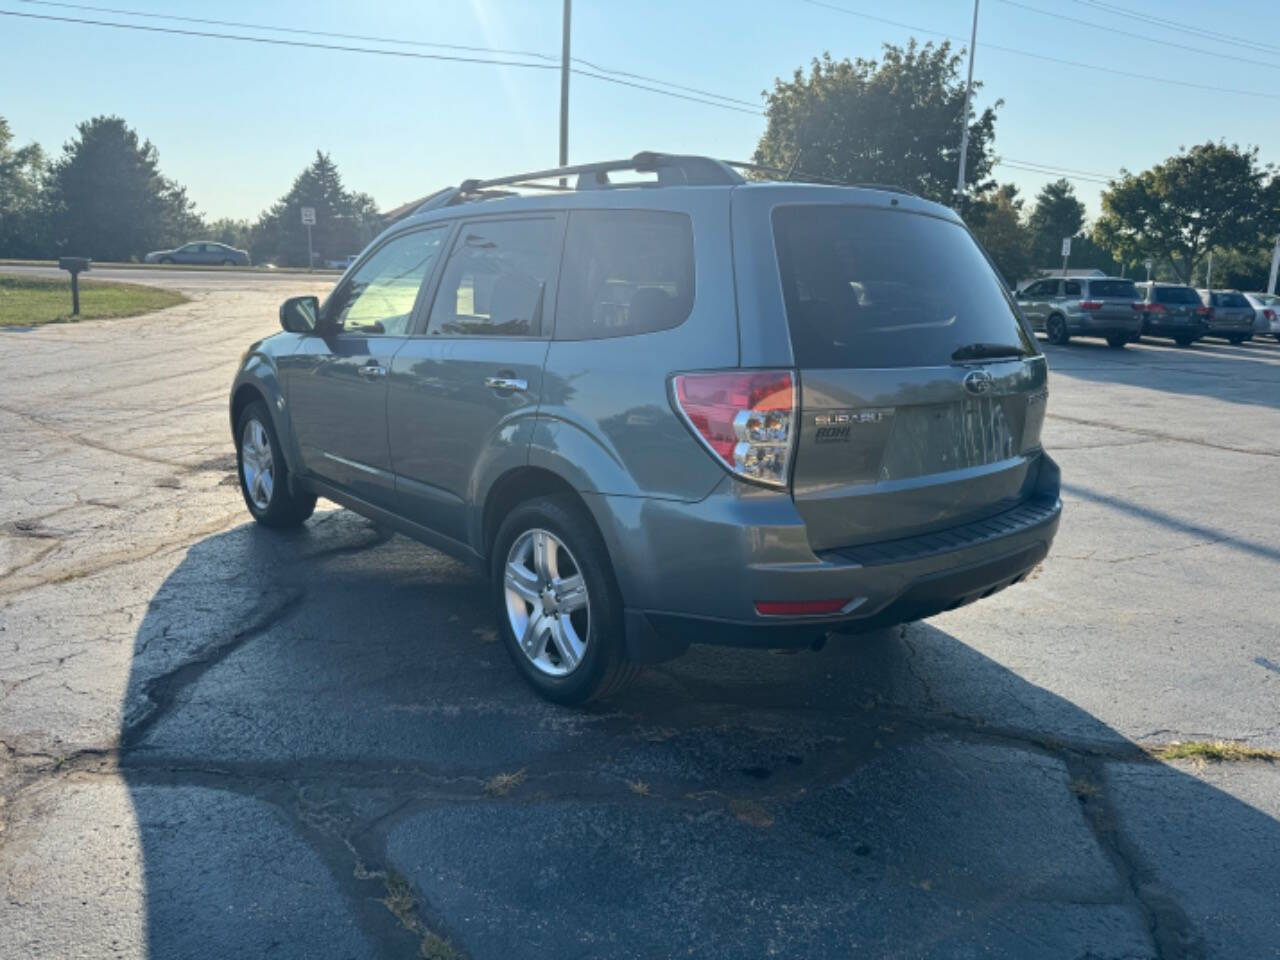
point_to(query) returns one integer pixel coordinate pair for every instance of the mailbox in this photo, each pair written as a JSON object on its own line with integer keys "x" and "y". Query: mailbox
{"x": 74, "y": 266}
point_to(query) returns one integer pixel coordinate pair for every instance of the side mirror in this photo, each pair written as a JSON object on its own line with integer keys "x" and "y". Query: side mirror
{"x": 300, "y": 314}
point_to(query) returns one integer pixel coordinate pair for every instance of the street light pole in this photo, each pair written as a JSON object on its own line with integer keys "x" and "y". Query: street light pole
{"x": 968, "y": 98}
{"x": 564, "y": 90}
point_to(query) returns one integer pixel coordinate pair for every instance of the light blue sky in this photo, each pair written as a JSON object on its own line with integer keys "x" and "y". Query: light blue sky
{"x": 235, "y": 121}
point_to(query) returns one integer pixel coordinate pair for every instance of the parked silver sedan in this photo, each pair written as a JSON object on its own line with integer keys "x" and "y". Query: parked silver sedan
{"x": 202, "y": 252}
{"x": 1266, "y": 313}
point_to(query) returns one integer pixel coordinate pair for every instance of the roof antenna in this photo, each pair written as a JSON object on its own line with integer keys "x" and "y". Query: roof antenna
{"x": 794, "y": 163}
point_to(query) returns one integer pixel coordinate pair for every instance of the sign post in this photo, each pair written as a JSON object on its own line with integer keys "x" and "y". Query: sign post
{"x": 1148, "y": 264}
{"x": 309, "y": 221}
{"x": 1066, "y": 253}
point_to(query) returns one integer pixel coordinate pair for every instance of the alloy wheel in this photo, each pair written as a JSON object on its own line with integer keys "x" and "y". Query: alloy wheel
{"x": 548, "y": 607}
{"x": 257, "y": 464}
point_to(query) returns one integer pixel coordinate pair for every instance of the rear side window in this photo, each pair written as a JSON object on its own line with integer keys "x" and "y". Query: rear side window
{"x": 886, "y": 288}
{"x": 1072, "y": 288}
{"x": 625, "y": 272}
{"x": 1177, "y": 295}
{"x": 1120, "y": 289}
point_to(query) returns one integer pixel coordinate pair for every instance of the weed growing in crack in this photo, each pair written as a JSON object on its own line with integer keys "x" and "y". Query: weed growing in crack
{"x": 1215, "y": 751}
{"x": 500, "y": 784}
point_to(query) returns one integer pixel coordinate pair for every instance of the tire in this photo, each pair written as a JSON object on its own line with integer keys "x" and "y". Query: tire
{"x": 1237, "y": 339}
{"x": 228, "y": 263}
{"x": 269, "y": 501}
{"x": 1184, "y": 341}
{"x": 1117, "y": 341}
{"x": 168, "y": 260}
{"x": 1056, "y": 328}
{"x": 584, "y": 625}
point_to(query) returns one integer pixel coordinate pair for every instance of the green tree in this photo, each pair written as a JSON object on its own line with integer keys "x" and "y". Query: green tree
{"x": 228, "y": 230}
{"x": 22, "y": 232}
{"x": 1057, "y": 214}
{"x": 345, "y": 221}
{"x": 107, "y": 198}
{"x": 895, "y": 121}
{"x": 996, "y": 220}
{"x": 1206, "y": 197}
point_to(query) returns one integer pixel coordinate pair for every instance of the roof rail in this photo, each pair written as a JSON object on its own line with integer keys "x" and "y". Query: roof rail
{"x": 672, "y": 170}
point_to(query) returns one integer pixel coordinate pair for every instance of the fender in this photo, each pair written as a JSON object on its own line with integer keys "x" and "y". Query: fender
{"x": 258, "y": 372}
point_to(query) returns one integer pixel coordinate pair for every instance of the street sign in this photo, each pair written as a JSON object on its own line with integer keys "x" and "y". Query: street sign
{"x": 309, "y": 216}
{"x": 1066, "y": 246}
{"x": 1148, "y": 264}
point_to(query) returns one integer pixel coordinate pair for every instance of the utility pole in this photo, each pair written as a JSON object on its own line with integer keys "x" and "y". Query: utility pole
{"x": 564, "y": 91}
{"x": 1275, "y": 267}
{"x": 1208, "y": 274}
{"x": 968, "y": 99}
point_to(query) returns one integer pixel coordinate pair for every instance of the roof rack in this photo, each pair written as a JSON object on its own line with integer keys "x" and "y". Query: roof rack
{"x": 671, "y": 169}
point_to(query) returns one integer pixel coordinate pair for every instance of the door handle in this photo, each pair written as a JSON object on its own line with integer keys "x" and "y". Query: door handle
{"x": 507, "y": 383}
{"x": 373, "y": 370}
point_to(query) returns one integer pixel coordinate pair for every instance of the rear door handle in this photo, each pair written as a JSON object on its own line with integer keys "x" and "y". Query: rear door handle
{"x": 373, "y": 370}
{"x": 506, "y": 383}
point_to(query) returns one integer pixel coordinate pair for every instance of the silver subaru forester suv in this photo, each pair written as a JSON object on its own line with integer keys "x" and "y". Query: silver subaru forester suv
{"x": 676, "y": 408}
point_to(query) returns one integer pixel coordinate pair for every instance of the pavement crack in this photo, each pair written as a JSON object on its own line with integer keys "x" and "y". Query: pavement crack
{"x": 160, "y": 692}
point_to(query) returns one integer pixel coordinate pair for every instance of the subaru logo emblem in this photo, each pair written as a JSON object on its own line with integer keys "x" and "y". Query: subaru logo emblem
{"x": 978, "y": 381}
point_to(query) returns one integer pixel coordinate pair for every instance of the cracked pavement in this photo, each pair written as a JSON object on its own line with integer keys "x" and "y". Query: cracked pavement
{"x": 218, "y": 740}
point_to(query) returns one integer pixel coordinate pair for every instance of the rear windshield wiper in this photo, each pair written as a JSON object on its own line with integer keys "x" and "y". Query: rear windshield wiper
{"x": 989, "y": 351}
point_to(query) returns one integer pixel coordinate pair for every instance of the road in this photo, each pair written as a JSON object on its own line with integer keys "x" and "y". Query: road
{"x": 217, "y": 741}
{"x": 176, "y": 278}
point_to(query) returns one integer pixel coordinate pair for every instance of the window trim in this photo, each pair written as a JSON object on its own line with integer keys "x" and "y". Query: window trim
{"x": 693, "y": 272}
{"x": 326, "y": 328}
{"x": 421, "y": 328}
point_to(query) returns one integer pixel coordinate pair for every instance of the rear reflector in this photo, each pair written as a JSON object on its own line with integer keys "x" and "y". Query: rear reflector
{"x": 799, "y": 608}
{"x": 745, "y": 418}
{"x": 1204, "y": 312}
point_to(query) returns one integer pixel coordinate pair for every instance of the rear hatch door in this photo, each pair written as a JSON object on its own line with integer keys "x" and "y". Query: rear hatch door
{"x": 1115, "y": 299}
{"x": 921, "y": 391}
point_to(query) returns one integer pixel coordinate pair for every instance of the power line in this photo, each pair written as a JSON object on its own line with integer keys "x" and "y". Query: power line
{"x": 1138, "y": 36}
{"x": 1197, "y": 31}
{"x": 1054, "y": 167}
{"x": 404, "y": 42}
{"x": 451, "y": 58}
{"x": 1043, "y": 58}
{"x": 1052, "y": 173}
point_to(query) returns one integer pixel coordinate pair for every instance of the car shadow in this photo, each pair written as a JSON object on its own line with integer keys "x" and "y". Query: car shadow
{"x": 1248, "y": 374}
{"x": 329, "y": 754}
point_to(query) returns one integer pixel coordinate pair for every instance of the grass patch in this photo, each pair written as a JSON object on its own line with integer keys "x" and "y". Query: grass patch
{"x": 1217, "y": 751}
{"x": 500, "y": 784}
{"x": 27, "y": 301}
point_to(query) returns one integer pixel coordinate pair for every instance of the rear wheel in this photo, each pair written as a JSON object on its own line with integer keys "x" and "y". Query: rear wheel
{"x": 1117, "y": 341}
{"x": 264, "y": 478}
{"x": 1238, "y": 338}
{"x": 1184, "y": 341}
{"x": 557, "y": 604}
{"x": 228, "y": 263}
{"x": 1056, "y": 328}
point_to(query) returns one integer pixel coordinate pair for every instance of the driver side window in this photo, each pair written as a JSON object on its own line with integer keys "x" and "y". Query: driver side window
{"x": 379, "y": 297}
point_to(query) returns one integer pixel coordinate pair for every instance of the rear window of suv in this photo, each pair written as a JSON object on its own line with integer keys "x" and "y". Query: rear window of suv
{"x": 1229, "y": 300}
{"x": 1124, "y": 289}
{"x": 885, "y": 288}
{"x": 1177, "y": 295}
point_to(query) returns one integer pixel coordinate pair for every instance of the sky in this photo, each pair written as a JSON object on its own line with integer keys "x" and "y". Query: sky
{"x": 235, "y": 122}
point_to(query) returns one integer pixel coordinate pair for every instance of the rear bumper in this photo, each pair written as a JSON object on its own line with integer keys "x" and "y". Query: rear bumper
{"x": 1158, "y": 326}
{"x": 691, "y": 574}
{"x": 1093, "y": 325}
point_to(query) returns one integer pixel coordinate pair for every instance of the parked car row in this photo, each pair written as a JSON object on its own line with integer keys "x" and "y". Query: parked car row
{"x": 1121, "y": 311}
{"x": 202, "y": 252}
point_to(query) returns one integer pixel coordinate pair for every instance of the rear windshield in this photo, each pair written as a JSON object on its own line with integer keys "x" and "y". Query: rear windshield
{"x": 1113, "y": 288}
{"x": 886, "y": 288}
{"x": 1229, "y": 300}
{"x": 1177, "y": 295}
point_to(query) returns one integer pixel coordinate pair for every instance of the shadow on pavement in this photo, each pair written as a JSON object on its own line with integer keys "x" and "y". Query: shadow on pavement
{"x": 329, "y": 755}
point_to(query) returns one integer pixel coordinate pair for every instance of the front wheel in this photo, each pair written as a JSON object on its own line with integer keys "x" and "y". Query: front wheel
{"x": 1117, "y": 341}
{"x": 168, "y": 260}
{"x": 1184, "y": 341}
{"x": 264, "y": 478}
{"x": 558, "y": 606}
{"x": 1056, "y": 328}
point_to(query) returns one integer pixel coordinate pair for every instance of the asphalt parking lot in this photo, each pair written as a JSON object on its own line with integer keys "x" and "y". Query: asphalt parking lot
{"x": 220, "y": 741}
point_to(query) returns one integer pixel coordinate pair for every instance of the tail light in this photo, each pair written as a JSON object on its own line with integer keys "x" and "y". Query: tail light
{"x": 746, "y": 419}
{"x": 1090, "y": 304}
{"x": 1139, "y": 306}
{"x": 1269, "y": 315}
{"x": 1155, "y": 308}
{"x": 1204, "y": 312}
